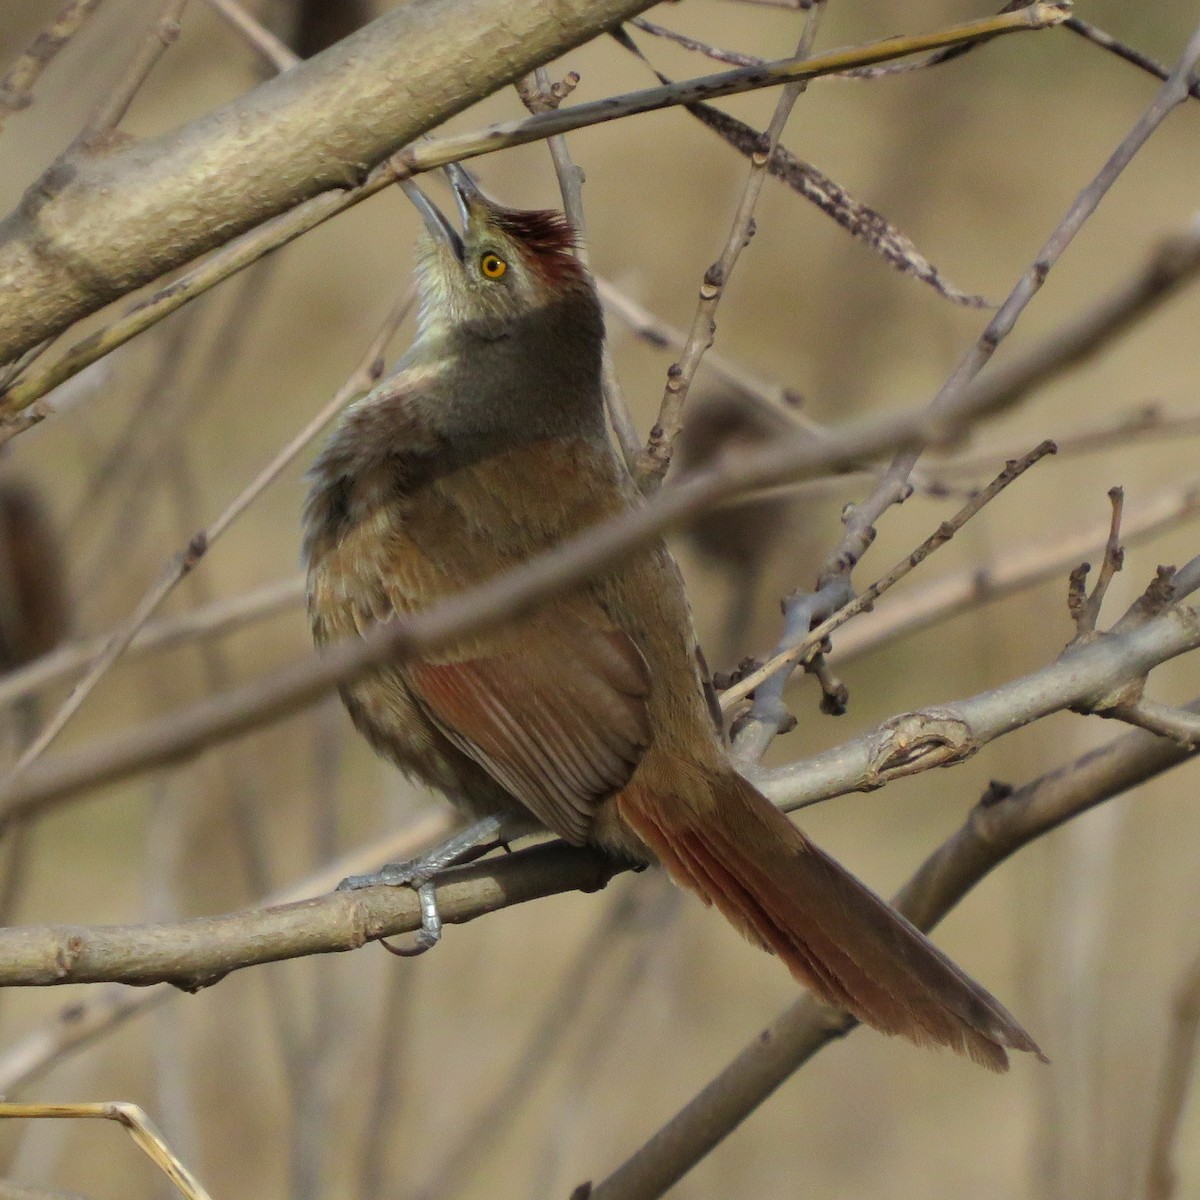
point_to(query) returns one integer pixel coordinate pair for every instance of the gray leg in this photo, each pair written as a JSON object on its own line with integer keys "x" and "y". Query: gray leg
{"x": 418, "y": 873}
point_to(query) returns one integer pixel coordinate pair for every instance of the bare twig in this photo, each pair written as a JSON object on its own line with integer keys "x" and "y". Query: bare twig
{"x": 491, "y": 603}
{"x": 16, "y": 87}
{"x": 218, "y": 619}
{"x": 494, "y": 1115}
{"x": 157, "y": 41}
{"x": 1171, "y": 265}
{"x": 860, "y": 221}
{"x": 911, "y": 742}
{"x": 956, "y": 397}
{"x": 1146, "y": 422}
{"x": 813, "y": 638}
{"x": 654, "y": 462}
{"x": 955, "y": 393}
{"x": 1011, "y": 571}
{"x": 1088, "y": 614}
{"x": 274, "y": 52}
{"x": 733, "y": 57}
{"x": 1107, "y": 42}
{"x": 663, "y": 335}
{"x": 197, "y": 953}
{"x": 20, "y": 396}
{"x": 1164, "y": 719}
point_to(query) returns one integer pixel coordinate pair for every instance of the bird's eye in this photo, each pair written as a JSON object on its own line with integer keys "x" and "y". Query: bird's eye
{"x": 493, "y": 266}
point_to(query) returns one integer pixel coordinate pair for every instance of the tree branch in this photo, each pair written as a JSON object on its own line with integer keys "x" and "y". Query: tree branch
{"x": 99, "y": 224}
{"x": 94, "y": 228}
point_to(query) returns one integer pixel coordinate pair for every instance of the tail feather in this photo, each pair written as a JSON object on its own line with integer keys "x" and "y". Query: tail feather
{"x": 836, "y": 936}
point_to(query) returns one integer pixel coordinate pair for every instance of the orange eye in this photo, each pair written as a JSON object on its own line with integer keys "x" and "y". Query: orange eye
{"x": 493, "y": 266}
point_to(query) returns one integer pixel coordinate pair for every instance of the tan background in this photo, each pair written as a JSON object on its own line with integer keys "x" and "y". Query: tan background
{"x": 1083, "y": 935}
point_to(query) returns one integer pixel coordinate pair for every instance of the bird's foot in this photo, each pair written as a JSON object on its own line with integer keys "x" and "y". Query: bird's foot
{"x": 418, "y": 873}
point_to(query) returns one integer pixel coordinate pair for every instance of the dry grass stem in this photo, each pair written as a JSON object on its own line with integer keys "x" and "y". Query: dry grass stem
{"x": 140, "y": 1128}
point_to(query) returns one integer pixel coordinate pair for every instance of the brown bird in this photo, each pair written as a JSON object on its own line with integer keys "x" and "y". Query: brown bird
{"x": 486, "y": 447}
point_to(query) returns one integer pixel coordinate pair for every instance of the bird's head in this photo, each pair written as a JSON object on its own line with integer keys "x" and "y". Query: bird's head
{"x": 503, "y": 266}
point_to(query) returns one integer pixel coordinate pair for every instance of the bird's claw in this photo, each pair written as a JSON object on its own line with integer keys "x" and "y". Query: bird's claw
{"x": 430, "y": 932}
{"x": 419, "y": 873}
{"x": 407, "y": 874}
{"x": 400, "y": 874}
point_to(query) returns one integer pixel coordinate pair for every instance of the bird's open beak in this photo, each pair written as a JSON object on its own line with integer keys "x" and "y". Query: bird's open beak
{"x": 435, "y": 220}
{"x": 467, "y": 195}
{"x": 466, "y": 190}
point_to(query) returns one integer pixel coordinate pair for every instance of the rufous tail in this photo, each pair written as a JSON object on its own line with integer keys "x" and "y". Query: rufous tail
{"x": 737, "y": 851}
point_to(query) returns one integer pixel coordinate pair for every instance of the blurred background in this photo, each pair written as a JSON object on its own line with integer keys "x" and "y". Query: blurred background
{"x": 538, "y": 1047}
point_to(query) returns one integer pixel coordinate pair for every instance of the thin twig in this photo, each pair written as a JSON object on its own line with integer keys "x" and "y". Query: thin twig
{"x": 157, "y": 41}
{"x": 862, "y": 222}
{"x": 274, "y": 52}
{"x": 1171, "y": 264}
{"x": 955, "y": 391}
{"x": 654, "y": 462}
{"x": 485, "y": 606}
{"x": 956, "y": 397}
{"x": 663, "y": 335}
{"x": 771, "y": 678}
{"x": 80, "y": 1023}
{"x": 199, "y": 952}
{"x": 16, "y": 88}
{"x": 1011, "y": 571}
{"x": 1088, "y": 616}
{"x": 1107, "y": 42}
{"x": 219, "y": 619}
{"x": 733, "y": 57}
{"x": 493, "y": 1117}
{"x": 1166, "y": 720}
{"x": 542, "y": 95}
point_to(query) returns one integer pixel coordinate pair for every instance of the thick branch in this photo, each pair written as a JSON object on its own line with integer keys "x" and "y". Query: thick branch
{"x": 196, "y": 953}
{"x": 102, "y": 223}
{"x": 95, "y": 228}
{"x": 1082, "y": 678}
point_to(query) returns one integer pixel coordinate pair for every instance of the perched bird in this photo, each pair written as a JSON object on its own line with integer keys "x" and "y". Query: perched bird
{"x": 486, "y": 447}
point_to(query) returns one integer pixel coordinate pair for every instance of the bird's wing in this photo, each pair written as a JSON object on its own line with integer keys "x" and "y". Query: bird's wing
{"x": 557, "y": 714}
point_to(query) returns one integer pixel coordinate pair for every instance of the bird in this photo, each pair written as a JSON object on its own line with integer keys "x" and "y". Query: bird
{"x": 590, "y": 717}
